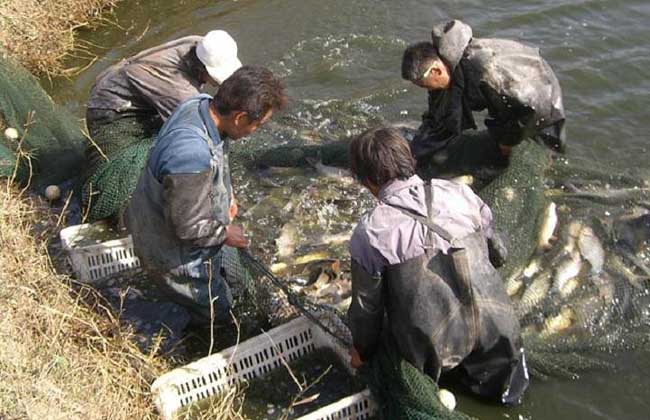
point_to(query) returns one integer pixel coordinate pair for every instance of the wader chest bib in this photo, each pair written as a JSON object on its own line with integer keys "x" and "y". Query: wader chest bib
{"x": 449, "y": 310}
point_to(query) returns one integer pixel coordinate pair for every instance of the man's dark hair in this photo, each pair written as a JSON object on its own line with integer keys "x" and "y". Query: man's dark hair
{"x": 381, "y": 155}
{"x": 416, "y": 59}
{"x": 251, "y": 89}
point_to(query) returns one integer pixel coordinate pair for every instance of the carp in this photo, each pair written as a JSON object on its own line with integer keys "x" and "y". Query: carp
{"x": 549, "y": 223}
{"x": 591, "y": 249}
{"x": 329, "y": 171}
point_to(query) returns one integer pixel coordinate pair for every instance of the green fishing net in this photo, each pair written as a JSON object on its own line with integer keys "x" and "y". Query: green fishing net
{"x": 50, "y": 142}
{"x": 114, "y": 165}
{"x": 402, "y": 391}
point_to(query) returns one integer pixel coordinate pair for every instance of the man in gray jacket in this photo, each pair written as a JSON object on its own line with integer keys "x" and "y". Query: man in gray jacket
{"x": 422, "y": 273}
{"x": 181, "y": 213}
{"x": 152, "y": 83}
{"x": 465, "y": 74}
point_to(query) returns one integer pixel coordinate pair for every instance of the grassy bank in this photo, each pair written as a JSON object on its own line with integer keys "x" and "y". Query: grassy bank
{"x": 63, "y": 353}
{"x": 41, "y": 33}
{"x": 62, "y": 356}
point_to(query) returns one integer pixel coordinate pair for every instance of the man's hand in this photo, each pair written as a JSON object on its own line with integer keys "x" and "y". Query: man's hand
{"x": 355, "y": 358}
{"x": 235, "y": 237}
{"x": 233, "y": 210}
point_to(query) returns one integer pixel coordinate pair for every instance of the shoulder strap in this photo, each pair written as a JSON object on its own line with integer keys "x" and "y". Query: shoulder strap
{"x": 427, "y": 221}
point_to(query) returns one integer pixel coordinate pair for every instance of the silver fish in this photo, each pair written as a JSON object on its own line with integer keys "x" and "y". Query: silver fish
{"x": 287, "y": 240}
{"x": 556, "y": 324}
{"x": 464, "y": 179}
{"x": 535, "y": 292}
{"x": 591, "y": 249}
{"x": 329, "y": 171}
{"x": 549, "y": 224}
{"x": 514, "y": 284}
{"x": 566, "y": 270}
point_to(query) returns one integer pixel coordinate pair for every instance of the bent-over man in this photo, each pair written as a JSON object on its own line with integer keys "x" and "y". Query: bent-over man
{"x": 464, "y": 74}
{"x": 181, "y": 213}
{"x": 422, "y": 273}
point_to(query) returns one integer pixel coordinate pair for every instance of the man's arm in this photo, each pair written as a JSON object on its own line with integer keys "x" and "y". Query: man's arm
{"x": 182, "y": 163}
{"x": 366, "y": 313}
{"x": 441, "y": 124}
{"x": 188, "y": 209}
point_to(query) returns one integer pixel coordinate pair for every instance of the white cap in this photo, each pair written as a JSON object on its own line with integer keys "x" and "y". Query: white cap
{"x": 218, "y": 53}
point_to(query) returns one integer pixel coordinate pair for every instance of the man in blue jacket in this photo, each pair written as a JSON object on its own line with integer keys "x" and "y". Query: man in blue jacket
{"x": 181, "y": 212}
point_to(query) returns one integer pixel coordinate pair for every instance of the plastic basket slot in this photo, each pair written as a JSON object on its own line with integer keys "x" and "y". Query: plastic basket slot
{"x": 90, "y": 260}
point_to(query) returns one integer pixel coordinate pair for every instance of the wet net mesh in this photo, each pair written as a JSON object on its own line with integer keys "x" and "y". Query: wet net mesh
{"x": 404, "y": 392}
{"x": 50, "y": 143}
{"x": 114, "y": 165}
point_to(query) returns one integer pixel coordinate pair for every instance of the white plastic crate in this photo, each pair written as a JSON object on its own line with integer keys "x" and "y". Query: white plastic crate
{"x": 253, "y": 358}
{"x": 93, "y": 260}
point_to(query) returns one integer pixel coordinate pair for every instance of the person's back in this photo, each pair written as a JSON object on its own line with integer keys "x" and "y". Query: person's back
{"x": 129, "y": 103}
{"x": 152, "y": 82}
{"x": 421, "y": 258}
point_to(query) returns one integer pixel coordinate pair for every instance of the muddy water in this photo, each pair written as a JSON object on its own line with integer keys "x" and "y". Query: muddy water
{"x": 341, "y": 62}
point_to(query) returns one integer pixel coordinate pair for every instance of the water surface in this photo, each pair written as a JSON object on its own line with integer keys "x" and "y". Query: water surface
{"x": 341, "y": 60}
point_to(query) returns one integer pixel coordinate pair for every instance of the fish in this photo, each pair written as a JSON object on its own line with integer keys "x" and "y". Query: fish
{"x": 591, "y": 249}
{"x": 332, "y": 239}
{"x": 535, "y": 293}
{"x": 549, "y": 224}
{"x": 464, "y": 179}
{"x": 569, "y": 287}
{"x": 329, "y": 171}
{"x": 566, "y": 270}
{"x": 532, "y": 268}
{"x": 558, "y": 323}
{"x": 608, "y": 196}
{"x": 286, "y": 242}
{"x": 514, "y": 284}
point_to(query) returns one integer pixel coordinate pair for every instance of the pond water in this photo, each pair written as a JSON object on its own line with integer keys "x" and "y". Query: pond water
{"x": 341, "y": 62}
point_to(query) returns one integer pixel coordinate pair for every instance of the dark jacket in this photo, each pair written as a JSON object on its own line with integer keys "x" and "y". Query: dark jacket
{"x": 179, "y": 210}
{"x": 152, "y": 83}
{"x": 511, "y": 80}
{"x": 444, "y": 309}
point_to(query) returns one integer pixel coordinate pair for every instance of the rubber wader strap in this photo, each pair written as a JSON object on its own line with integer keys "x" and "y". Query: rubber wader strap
{"x": 427, "y": 221}
{"x": 458, "y": 257}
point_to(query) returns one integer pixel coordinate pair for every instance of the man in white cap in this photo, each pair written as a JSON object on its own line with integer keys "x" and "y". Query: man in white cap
{"x": 133, "y": 98}
{"x": 152, "y": 83}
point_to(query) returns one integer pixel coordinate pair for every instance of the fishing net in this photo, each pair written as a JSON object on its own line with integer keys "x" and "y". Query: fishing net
{"x": 50, "y": 142}
{"x": 402, "y": 390}
{"x": 598, "y": 312}
{"x": 114, "y": 165}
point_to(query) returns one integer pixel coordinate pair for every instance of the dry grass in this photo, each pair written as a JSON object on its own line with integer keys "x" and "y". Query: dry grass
{"x": 62, "y": 354}
{"x": 59, "y": 357}
{"x": 40, "y": 33}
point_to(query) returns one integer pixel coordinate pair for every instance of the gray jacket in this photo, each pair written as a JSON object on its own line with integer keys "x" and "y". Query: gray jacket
{"x": 511, "y": 80}
{"x": 444, "y": 302}
{"x": 153, "y": 82}
{"x": 385, "y": 236}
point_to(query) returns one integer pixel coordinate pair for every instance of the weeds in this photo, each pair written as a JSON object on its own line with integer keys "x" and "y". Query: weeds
{"x": 40, "y": 34}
